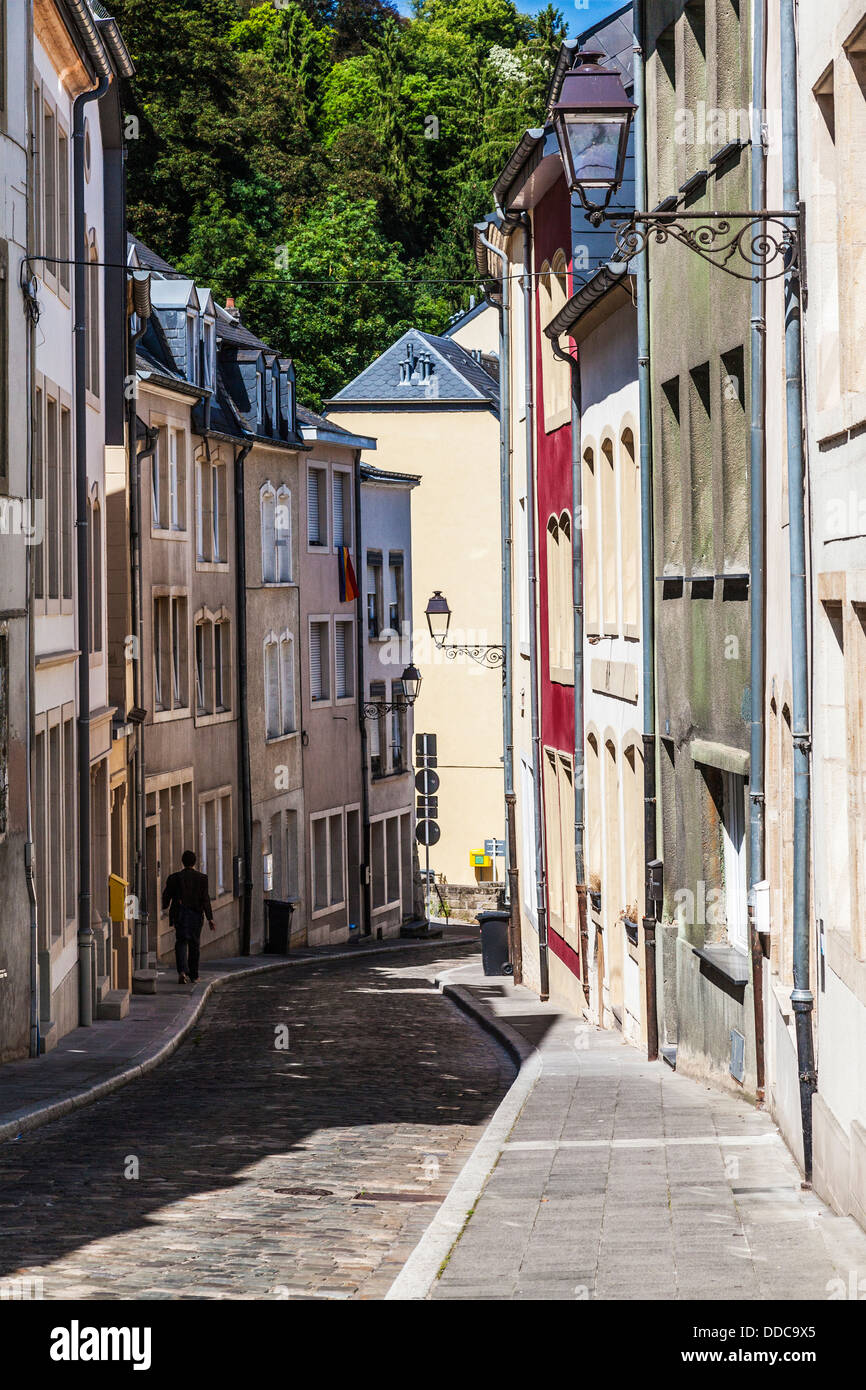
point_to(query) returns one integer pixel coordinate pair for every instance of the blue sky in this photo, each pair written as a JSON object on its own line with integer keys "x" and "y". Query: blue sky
{"x": 579, "y": 14}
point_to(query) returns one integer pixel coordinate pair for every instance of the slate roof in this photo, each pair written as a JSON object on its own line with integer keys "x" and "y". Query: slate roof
{"x": 457, "y": 377}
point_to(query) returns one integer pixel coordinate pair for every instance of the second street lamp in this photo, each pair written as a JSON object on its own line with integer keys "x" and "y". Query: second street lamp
{"x": 409, "y": 683}
{"x": 592, "y": 119}
{"x": 439, "y": 620}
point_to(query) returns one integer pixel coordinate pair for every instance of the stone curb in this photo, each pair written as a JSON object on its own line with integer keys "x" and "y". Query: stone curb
{"x": 54, "y": 1110}
{"x": 422, "y": 1268}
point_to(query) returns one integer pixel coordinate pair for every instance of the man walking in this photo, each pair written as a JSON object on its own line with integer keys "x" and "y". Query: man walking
{"x": 188, "y": 902}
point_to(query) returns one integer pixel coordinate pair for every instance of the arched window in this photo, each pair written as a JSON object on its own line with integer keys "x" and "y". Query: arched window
{"x": 213, "y": 662}
{"x": 554, "y": 577}
{"x": 555, "y": 374}
{"x": 609, "y": 535}
{"x": 283, "y": 536}
{"x": 269, "y": 534}
{"x": 566, "y": 595}
{"x": 629, "y": 483}
{"x": 612, "y": 890}
{"x": 279, "y": 684}
{"x": 593, "y": 814}
{"x": 589, "y": 537}
{"x": 91, "y": 368}
{"x": 632, "y": 769}
{"x": 95, "y": 532}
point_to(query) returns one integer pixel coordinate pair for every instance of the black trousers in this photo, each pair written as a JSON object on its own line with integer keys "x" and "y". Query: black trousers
{"x": 186, "y": 951}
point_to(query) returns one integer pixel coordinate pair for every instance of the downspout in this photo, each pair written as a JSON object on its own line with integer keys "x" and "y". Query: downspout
{"x": 802, "y": 999}
{"x": 651, "y": 904}
{"x": 577, "y": 628}
{"x": 535, "y": 722}
{"x": 141, "y": 308}
{"x": 137, "y": 458}
{"x": 82, "y": 268}
{"x": 360, "y": 640}
{"x": 757, "y": 467}
{"x": 243, "y": 709}
{"x": 515, "y": 953}
{"x": 29, "y": 848}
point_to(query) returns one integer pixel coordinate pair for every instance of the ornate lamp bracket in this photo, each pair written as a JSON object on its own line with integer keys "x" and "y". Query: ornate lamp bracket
{"x": 485, "y": 656}
{"x": 751, "y": 246}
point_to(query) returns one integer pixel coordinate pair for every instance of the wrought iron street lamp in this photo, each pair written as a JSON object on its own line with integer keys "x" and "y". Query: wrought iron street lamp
{"x": 409, "y": 685}
{"x": 439, "y": 620}
{"x": 592, "y": 119}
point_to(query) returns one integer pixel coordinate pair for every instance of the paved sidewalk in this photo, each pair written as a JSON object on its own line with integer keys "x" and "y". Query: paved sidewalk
{"x": 622, "y": 1180}
{"x": 91, "y": 1062}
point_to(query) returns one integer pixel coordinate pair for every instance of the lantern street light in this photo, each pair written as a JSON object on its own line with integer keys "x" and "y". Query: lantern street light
{"x": 409, "y": 684}
{"x": 592, "y": 120}
{"x": 439, "y": 620}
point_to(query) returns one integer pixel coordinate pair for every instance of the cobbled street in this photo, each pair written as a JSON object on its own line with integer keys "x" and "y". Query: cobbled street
{"x": 241, "y": 1169}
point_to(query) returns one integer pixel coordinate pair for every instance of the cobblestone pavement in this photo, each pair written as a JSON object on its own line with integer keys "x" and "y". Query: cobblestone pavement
{"x": 624, "y": 1180}
{"x": 239, "y": 1169}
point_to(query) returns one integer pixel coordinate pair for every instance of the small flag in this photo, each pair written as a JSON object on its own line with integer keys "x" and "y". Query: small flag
{"x": 348, "y": 582}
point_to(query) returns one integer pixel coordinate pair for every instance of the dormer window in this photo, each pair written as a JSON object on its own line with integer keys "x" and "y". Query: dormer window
{"x": 260, "y": 402}
{"x": 192, "y": 348}
{"x": 209, "y": 352}
{"x": 275, "y": 403}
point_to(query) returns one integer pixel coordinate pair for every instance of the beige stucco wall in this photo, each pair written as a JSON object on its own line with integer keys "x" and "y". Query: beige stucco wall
{"x": 480, "y": 332}
{"x": 455, "y": 548}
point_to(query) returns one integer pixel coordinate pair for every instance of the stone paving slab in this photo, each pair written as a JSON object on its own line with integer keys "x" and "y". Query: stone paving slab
{"x": 239, "y": 1170}
{"x": 621, "y": 1179}
{"x": 91, "y": 1062}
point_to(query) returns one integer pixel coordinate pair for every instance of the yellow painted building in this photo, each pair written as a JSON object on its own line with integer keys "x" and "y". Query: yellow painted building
{"x": 432, "y": 405}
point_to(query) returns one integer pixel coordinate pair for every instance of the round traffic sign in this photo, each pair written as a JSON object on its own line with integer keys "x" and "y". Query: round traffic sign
{"x": 427, "y": 832}
{"x": 427, "y": 781}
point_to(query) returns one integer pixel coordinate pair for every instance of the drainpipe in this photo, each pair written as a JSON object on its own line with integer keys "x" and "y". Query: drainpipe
{"x": 30, "y": 677}
{"x": 137, "y": 459}
{"x": 243, "y": 710}
{"x": 360, "y": 640}
{"x": 801, "y": 997}
{"x": 535, "y": 722}
{"x": 85, "y": 930}
{"x": 651, "y": 907}
{"x": 757, "y": 467}
{"x": 515, "y": 953}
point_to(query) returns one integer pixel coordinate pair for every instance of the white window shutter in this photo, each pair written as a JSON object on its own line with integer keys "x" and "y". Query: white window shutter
{"x": 314, "y": 531}
{"x": 340, "y": 658}
{"x": 316, "y": 661}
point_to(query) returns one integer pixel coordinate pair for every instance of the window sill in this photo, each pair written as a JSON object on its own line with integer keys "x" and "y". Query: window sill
{"x": 388, "y": 776}
{"x": 209, "y": 566}
{"x": 725, "y": 966}
{"x": 165, "y": 716}
{"x": 164, "y": 533}
{"x": 343, "y": 700}
{"x": 277, "y": 583}
{"x": 560, "y": 676}
{"x": 326, "y": 911}
{"x": 281, "y": 738}
{"x": 223, "y": 716}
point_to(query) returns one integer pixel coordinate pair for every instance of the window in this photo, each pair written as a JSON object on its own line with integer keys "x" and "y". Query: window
{"x": 395, "y": 592}
{"x": 55, "y": 802}
{"x": 192, "y": 347}
{"x": 327, "y": 853}
{"x": 733, "y": 841}
{"x": 91, "y": 377}
{"x": 279, "y": 682}
{"x": 609, "y": 537}
{"x": 320, "y": 671}
{"x": 276, "y": 519}
{"x": 374, "y": 594}
{"x": 275, "y": 403}
{"x": 631, "y": 540}
{"x": 170, "y": 678}
{"x": 282, "y": 844}
{"x": 95, "y": 532}
{"x": 701, "y": 469}
{"x": 213, "y": 662}
{"x": 398, "y": 728}
{"x": 378, "y": 765}
{"x": 344, "y": 658}
{"x": 317, "y": 508}
{"x": 210, "y": 511}
{"x": 672, "y": 483}
{"x": 589, "y": 539}
{"x": 386, "y": 862}
{"x": 215, "y": 840}
{"x": 342, "y": 508}
{"x": 52, "y": 490}
{"x": 559, "y": 606}
{"x": 208, "y": 329}
{"x": 168, "y": 480}
{"x": 555, "y": 374}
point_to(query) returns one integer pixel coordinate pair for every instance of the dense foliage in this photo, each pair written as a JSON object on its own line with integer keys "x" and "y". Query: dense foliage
{"x": 323, "y": 160}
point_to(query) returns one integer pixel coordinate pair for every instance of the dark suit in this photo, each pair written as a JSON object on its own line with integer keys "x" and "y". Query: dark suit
{"x": 188, "y": 901}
